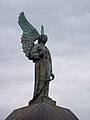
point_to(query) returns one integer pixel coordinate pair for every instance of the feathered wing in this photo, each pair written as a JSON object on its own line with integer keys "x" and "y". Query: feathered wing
{"x": 30, "y": 34}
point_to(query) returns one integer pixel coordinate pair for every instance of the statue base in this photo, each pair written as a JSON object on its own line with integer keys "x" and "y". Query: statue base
{"x": 44, "y": 99}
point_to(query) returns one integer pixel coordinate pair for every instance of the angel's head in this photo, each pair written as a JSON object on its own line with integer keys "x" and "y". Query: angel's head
{"x": 42, "y": 39}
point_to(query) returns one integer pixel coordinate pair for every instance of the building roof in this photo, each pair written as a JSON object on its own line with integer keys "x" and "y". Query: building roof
{"x": 42, "y": 111}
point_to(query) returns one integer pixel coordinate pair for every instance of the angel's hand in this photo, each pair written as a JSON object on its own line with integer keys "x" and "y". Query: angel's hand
{"x": 41, "y": 54}
{"x": 36, "y": 57}
{"x": 53, "y": 76}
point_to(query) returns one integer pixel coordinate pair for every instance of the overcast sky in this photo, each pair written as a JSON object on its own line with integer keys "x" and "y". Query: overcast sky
{"x": 67, "y": 24}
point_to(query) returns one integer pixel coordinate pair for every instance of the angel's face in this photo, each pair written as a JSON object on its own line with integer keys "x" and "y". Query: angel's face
{"x": 43, "y": 39}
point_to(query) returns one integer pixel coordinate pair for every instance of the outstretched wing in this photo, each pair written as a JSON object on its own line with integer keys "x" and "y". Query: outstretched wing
{"x": 30, "y": 34}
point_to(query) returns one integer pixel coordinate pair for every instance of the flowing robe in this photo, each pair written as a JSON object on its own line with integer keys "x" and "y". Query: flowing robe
{"x": 43, "y": 70}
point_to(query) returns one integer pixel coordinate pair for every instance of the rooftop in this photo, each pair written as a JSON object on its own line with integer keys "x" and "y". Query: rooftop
{"x": 42, "y": 110}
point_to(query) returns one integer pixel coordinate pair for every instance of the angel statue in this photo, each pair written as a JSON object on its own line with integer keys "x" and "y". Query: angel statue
{"x": 39, "y": 54}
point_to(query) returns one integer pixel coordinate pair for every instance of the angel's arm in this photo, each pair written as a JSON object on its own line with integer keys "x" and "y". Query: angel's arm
{"x": 34, "y": 53}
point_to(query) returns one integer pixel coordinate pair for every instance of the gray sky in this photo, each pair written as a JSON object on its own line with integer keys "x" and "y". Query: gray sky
{"x": 67, "y": 24}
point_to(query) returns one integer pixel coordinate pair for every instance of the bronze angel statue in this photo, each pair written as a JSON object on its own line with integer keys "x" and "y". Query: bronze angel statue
{"x": 39, "y": 54}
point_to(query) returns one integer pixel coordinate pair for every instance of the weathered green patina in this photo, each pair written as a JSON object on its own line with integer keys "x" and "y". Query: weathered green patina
{"x": 39, "y": 54}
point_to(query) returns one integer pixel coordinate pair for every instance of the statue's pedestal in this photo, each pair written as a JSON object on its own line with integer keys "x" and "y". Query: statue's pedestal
{"x": 47, "y": 100}
{"x": 43, "y": 108}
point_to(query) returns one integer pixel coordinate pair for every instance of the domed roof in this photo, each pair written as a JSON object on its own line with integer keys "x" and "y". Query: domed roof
{"x": 42, "y": 111}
